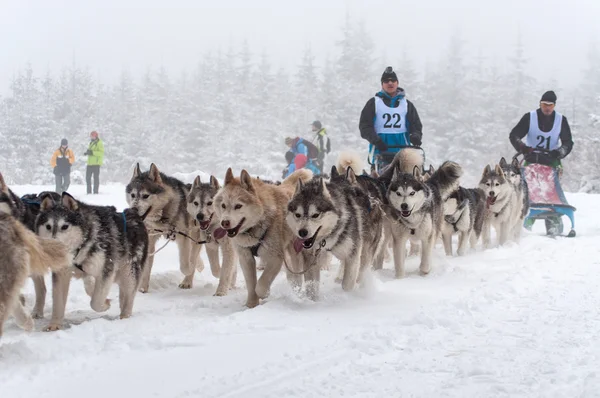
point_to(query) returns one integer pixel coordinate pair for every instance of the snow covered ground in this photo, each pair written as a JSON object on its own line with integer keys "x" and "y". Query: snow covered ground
{"x": 520, "y": 321}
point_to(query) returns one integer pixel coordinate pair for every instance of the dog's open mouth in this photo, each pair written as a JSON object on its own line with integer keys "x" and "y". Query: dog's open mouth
{"x": 234, "y": 231}
{"x": 205, "y": 224}
{"x": 491, "y": 200}
{"x": 300, "y": 243}
{"x": 405, "y": 213}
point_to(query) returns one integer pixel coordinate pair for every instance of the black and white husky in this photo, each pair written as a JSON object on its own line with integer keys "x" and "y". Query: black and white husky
{"x": 107, "y": 245}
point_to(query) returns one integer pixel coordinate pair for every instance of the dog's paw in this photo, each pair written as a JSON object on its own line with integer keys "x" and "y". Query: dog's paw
{"x": 101, "y": 307}
{"x": 143, "y": 290}
{"x": 37, "y": 313}
{"x": 252, "y": 303}
{"x": 185, "y": 285}
{"x": 220, "y": 293}
{"x": 52, "y": 328}
{"x": 124, "y": 316}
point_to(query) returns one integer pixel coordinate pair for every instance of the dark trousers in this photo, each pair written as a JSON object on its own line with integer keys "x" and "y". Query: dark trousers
{"x": 95, "y": 172}
{"x": 62, "y": 182}
{"x": 320, "y": 161}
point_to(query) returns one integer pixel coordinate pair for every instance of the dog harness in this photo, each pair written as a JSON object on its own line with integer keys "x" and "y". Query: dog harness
{"x": 254, "y": 249}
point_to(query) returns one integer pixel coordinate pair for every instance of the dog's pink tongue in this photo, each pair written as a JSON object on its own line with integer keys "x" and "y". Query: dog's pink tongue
{"x": 219, "y": 233}
{"x": 299, "y": 244}
{"x": 490, "y": 200}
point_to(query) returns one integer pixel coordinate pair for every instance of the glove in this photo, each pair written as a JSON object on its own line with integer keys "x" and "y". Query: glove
{"x": 415, "y": 139}
{"x": 381, "y": 146}
{"x": 88, "y": 152}
{"x": 555, "y": 154}
{"x": 540, "y": 158}
{"x": 526, "y": 149}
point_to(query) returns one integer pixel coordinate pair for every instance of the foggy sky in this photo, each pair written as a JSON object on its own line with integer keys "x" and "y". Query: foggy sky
{"x": 112, "y": 35}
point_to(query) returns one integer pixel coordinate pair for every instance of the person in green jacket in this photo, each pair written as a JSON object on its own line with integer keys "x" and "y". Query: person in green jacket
{"x": 95, "y": 154}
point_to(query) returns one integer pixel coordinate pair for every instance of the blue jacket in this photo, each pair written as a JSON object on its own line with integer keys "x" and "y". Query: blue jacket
{"x": 301, "y": 159}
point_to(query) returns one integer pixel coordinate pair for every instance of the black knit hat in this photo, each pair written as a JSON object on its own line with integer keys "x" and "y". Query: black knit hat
{"x": 64, "y": 142}
{"x": 317, "y": 124}
{"x": 549, "y": 96}
{"x": 388, "y": 74}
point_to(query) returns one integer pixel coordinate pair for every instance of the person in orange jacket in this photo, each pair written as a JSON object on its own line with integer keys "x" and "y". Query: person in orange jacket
{"x": 61, "y": 162}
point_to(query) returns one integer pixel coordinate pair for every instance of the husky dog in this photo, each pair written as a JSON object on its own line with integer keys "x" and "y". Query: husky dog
{"x": 110, "y": 246}
{"x": 26, "y": 209}
{"x": 200, "y": 206}
{"x": 417, "y": 208}
{"x": 463, "y": 214}
{"x": 502, "y": 207}
{"x": 252, "y": 215}
{"x": 164, "y": 200}
{"x": 513, "y": 172}
{"x": 24, "y": 254}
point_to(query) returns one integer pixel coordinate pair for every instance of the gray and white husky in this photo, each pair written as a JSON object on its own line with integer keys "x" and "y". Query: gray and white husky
{"x": 164, "y": 201}
{"x": 416, "y": 207}
{"x": 513, "y": 172}
{"x": 200, "y": 206}
{"x": 107, "y": 245}
{"x": 502, "y": 209}
{"x": 463, "y": 214}
{"x": 333, "y": 216}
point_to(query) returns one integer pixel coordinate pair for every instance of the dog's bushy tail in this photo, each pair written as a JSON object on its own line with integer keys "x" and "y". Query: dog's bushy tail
{"x": 44, "y": 254}
{"x": 348, "y": 159}
{"x": 446, "y": 178}
{"x": 408, "y": 158}
{"x": 303, "y": 175}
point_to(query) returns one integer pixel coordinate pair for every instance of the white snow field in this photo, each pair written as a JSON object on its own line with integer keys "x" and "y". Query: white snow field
{"x": 517, "y": 321}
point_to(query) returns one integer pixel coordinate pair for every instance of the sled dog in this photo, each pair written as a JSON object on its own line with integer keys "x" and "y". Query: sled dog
{"x": 200, "y": 205}
{"x": 106, "y": 245}
{"x": 164, "y": 200}
{"x": 252, "y": 216}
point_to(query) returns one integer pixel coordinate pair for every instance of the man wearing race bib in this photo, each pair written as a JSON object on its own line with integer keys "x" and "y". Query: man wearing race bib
{"x": 547, "y": 133}
{"x": 548, "y": 140}
{"x": 389, "y": 120}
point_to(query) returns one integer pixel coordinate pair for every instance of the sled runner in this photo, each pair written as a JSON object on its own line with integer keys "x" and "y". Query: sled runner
{"x": 381, "y": 160}
{"x": 547, "y": 200}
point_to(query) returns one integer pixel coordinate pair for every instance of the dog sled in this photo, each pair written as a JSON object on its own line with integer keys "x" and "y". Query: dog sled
{"x": 547, "y": 200}
{"x": 381, "y": 160}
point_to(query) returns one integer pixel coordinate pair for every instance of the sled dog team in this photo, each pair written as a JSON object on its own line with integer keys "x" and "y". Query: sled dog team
{"x": 296, "y": 225}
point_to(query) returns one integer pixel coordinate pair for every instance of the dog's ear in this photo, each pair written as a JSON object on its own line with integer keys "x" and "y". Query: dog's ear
{"x": 299, "y": 185}
{"x": 246, "y": 181}
{"x": 487, "y": 170}
{"x": 69, "y": 202}
{"x": 154, "y": 174}
{"x": 374, "y": 174}
{"x": 503, "y": 163}
{"x": 515, "y": 164}
{"x": 136, "y": 171}
{"x": 3, "y": 186}
{"x": 47, "y": 202}
{"x": 417, "y": 173}
{"x": 334, "y": 172}
{"x": 396, "y": 173}
{"x": 323, "y": 188}
{"x": 197, "y": 182}
{"x": 351, "y": 176}
{"x": 499, "y": 170}
{"x": 431, "y": 169}
{"x": 229, "y": 176}
{"x": 214, "y": 183}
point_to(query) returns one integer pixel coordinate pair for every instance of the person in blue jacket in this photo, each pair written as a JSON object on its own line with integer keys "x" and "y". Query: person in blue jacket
{"x": 302, "y": 154}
